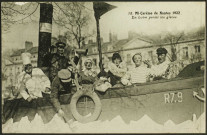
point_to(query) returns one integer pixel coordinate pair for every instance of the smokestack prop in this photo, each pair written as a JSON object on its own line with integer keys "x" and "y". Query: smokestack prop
{"x": 45, "y": 31}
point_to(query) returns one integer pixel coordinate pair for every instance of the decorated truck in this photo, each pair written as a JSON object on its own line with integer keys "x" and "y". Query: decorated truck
{"x": 176, "y": 99}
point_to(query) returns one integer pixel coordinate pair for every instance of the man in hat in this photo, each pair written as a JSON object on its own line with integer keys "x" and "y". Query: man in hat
{"x": 62, "y": 83}
{"x": 32, "y": 81}
{"x": 58, "y": 61}
{"x": 160, "y": 70}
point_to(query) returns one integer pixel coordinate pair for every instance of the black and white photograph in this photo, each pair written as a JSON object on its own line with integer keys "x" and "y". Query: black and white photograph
{"x": 103, "y": 67}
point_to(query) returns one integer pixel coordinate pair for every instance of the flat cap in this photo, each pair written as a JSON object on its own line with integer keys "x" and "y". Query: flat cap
{"x": 64, "y": 75}
{"x": 161, "y": 51}
{"x": 60, "y": 44}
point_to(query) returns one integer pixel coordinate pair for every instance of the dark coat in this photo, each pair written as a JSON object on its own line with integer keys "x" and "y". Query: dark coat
{"x": 55, "y": 62}
{"x": 83, "y": 79}
{"x": 56, "y": 87}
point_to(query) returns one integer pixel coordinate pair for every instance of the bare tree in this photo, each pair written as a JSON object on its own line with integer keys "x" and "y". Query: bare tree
{"x": 173, "y": 39}
{"x": 12, "y": 13}
{"x": 75, "y": 18}
{"x": 6, "y": 57}
{"x": 196, "y": 33}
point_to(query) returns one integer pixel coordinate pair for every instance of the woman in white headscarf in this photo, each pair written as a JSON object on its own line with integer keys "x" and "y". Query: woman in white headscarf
{"x": 88, "y": 75}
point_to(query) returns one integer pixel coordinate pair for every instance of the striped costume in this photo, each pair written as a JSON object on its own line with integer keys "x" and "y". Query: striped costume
{"x": 137, "y": 75}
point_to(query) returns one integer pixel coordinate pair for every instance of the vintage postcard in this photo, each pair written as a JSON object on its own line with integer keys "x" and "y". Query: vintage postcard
{"x": 103, "y": 67}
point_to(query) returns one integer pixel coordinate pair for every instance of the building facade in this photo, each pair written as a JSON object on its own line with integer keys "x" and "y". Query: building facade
{"x": 187, "y": 52}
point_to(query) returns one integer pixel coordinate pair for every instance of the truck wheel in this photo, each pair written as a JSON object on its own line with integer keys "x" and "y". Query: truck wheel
{"x": 73, "y": 106}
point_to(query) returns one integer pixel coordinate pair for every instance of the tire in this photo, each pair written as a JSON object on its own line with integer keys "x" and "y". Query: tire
{"x": 73, "y": 106}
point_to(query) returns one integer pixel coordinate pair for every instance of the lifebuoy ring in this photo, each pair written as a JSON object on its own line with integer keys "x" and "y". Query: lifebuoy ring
{"x": 73, "y": 106}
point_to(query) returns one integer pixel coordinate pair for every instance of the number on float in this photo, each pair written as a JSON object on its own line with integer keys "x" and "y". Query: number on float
{"x": 180, "y": 96}
{"x": 173, "y": 97}
{"x": 167, "y": 98}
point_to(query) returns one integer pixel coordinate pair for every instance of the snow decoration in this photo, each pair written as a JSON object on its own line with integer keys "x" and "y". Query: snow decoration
{"x": 145, "y": 125}
{"x": 116, "y": 125}
{"x": 200, "y": 124}
{"x": 57, "y": 125}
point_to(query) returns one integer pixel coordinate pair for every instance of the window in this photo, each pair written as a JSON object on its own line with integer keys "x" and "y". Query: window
{"x": 185, "y": 52}
{"x": 197, "y": 49}
{"x": 150, "y": 55}
{"x": 95, "y": 50}
{"x": 128, "y": 58}
{"x": 110, "y": 58}
{"x": 95, "y": 61}
{"x": 18, "y": 69}
{"x": 18, "y": 73}
{"x": 110, "y": 48}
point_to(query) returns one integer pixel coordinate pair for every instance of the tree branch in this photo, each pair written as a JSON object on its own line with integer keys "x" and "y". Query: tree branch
{"x": 179, "y": 38}
{"x": 28, "y": 15}
{"x": 14, "y": 10}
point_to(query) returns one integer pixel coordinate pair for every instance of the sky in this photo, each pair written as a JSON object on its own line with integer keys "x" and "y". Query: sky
{"x": 21, "y": 3}
{"x": 192, "y": 15}
{"x": 118, "y": 21}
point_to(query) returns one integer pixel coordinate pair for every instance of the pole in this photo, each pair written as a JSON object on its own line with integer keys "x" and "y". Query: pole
{"x": 100, "y": 8}
{"x": 45, "y": 31}
{"x": 99, "y": 44}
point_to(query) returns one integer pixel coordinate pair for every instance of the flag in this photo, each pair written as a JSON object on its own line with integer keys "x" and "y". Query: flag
{"x": 101, "y": 8}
